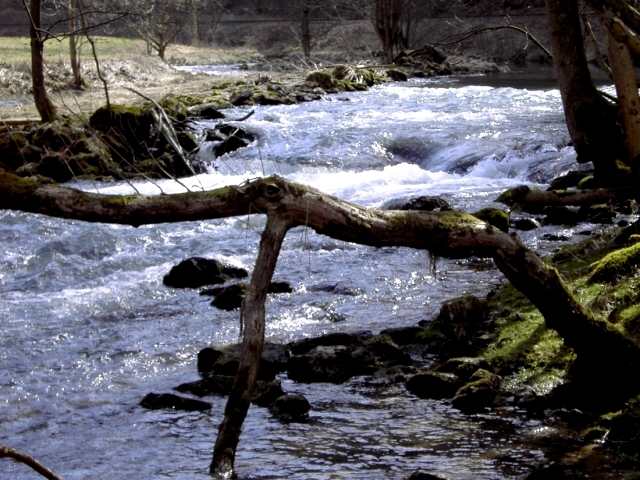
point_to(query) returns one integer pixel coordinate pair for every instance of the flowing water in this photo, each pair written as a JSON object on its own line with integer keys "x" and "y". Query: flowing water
{"x": 88, "y": 328}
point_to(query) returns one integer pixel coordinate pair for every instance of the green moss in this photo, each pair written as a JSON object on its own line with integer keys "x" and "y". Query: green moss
{"x": 616, "y": 264}
{"x": 586, "y": 183}
{"x": 494, "y": 216}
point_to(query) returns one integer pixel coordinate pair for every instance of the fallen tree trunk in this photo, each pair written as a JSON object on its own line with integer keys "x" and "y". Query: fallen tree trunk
{"x": 534, "y": 201}
{"x": 446, "y": 234}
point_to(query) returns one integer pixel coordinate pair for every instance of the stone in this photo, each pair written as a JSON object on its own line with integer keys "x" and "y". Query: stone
{"x": 265, "y": 393}
{"x": 224, "y": 361}
{"x": 569, "y": 180}
{"x": 419, "y": 475}
{"x": 463, "y": 367}
{"x": 601, "y": 214}
{"x": 331, "y": 364}
{"x": 155, "y": 401}
{"x": 479, "y": 393}
{"x": 242, "y": 99}
{"x": 230, "y": 297}
{"x": 301, "y": 347}
{"x": 397, "y": 75}
{"x": 435, "y": 385}
{"x": 525, "y": 224}
{"x": 206, "y": 111}
{"x": 404, "y": 335}
{"x": 459, "y": 324}
{"x": 291, "y": 408}
{"x": 494, "y": 216}
{"x": 321, "y": 79}
{"x": 229, "y": 145}
{"x": 561, "y": 216}
{"x": 425, "y": 203}
{"x": 197, "y": 272}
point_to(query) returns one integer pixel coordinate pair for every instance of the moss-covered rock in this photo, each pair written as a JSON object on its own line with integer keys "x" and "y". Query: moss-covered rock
{"x": 479, "y": 393}
{"x": 494, "y": 216}
{"x": 616, "y": 264}
{"x": 322, "y": 79}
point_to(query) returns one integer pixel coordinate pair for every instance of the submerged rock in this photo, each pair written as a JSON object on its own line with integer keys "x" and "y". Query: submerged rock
{"x": 197, "y": 271}
{"x": 291, "y": 408}
{"x": 155, "y": 401}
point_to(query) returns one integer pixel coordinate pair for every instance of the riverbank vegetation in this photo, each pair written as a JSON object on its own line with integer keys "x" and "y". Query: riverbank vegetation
{"x": 565, "y": 334}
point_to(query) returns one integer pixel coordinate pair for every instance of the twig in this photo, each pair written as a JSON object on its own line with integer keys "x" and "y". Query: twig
{"x": 6, "y": 452}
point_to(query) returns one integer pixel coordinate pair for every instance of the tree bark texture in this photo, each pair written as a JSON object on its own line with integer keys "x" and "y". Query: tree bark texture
{"x": 592, "y": 123}
{"x": 45, "y": 107}
{"x": 446, "y": 234}
{"x": 624, "y": 76}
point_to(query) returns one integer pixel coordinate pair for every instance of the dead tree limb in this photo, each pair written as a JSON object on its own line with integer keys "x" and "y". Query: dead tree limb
{"x": 253, "y": 317}
{"x": 448, "y": 234}
{"x": 480, "y": 30}
{"x": 6, "y": 452}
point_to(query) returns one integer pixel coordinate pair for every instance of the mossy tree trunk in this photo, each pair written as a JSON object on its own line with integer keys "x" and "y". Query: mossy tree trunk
{"x": 45, "y": 107}
{"x": 448, "y": 234}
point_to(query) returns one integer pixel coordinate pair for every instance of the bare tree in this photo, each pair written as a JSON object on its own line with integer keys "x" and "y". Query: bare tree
{"x": 393, "y": 22}
{"x": 45, "y": 107}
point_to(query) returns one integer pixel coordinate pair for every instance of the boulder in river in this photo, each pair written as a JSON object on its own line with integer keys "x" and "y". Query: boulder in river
{"x": 206, "y": 111}
{"x": 420, "y": 475}
{"x": 436, "y": 385}
{"x": 494, "y": 216}
{"x": 291, "y": 408}
{"x": 424, "y": 203}
{"x": 264, "y": 395}
{"x": 230, "y": 297}
{"x": 459, "y": 325}
{"x": 197, "y": 271}
{"x": 224, "y": 361}
{"x": 479, "y": 393}
{"x": 159, "y": 401}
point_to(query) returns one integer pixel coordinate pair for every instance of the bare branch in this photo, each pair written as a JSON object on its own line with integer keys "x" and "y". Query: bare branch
{"x": 6, "y": 452}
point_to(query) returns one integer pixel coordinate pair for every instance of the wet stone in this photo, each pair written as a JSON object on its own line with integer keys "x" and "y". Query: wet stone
{"x": 291, "y": 408}
{"x": 434, "y": 385}
{"x": 155, "y": 401}
{"x": 197, "y": 271}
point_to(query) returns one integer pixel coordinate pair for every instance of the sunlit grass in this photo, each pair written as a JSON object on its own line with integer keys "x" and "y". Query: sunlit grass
{"x": 15, "y": 51}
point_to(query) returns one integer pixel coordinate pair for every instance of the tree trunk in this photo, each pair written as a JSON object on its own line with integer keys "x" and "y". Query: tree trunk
{"x": 195, "y": 26}
{"x": 45, "y": 107}
{"x": 74, "y": 57}
{"x": 590, "y": 120}
{"x": 306, "y": 31}
{"x": 252, "y": 318}
{"x": 624, "y": 76}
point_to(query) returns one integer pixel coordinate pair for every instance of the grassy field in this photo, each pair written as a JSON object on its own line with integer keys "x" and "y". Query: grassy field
{"x": 124, "y": 62}
{"x": 15, "y": 50}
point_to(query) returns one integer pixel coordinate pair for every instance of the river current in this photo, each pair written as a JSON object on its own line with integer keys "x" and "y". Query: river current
{"x": 88, "y": 327}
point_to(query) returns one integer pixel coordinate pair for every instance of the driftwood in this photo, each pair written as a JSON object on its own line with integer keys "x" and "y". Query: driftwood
{"x": 446, "y": 234}
{"x": 6, "y": 452}
{"x": 532, "y": 200}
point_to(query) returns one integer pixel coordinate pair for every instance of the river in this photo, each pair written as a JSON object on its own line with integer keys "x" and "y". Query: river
{"x": 89, "y": 328}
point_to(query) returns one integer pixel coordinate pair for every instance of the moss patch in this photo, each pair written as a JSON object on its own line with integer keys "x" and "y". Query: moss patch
{"x": 616, "y": 264}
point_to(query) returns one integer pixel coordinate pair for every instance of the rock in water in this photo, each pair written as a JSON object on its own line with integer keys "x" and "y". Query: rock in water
{"x": 159, "y": 401}
{"x": 196, "y": 272}
{"x": 291, "y": 408}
